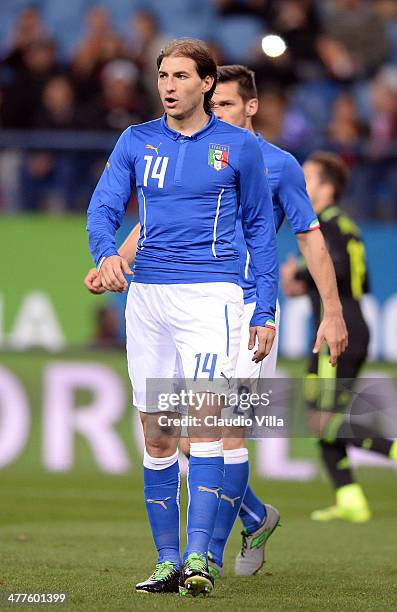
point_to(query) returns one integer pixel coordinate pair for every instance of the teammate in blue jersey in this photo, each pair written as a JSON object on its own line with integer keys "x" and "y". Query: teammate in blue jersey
{"x": 193, "y": 173}
{"x": 235, "y": 100}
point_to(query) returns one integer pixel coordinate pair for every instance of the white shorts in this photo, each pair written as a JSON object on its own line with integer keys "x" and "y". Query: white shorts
{"x": 189, "y": 329}
{"x": 246, "y": 368}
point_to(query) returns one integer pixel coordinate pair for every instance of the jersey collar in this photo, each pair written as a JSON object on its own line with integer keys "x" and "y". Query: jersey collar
{"x": 207, "y": 129}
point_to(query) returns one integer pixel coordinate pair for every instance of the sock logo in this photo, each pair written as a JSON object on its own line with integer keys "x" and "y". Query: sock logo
{"x": 207, "y": 490}
{"x": 231, "y": 500}
{"x": 160, "y": 502}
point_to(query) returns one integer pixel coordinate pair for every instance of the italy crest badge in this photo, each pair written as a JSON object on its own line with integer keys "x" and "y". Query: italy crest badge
{"x": 218, "y": 156}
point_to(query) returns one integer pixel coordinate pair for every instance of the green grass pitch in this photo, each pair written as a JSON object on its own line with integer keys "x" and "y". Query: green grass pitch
{"x": 88, "y": 536}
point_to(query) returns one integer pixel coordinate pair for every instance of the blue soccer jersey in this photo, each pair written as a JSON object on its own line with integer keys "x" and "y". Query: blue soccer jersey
{"x": 290, "y": 199}
{"x": 190, "y": 189}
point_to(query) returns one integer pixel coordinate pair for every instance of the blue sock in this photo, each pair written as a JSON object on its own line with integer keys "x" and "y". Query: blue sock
{"x": 252, "y": 511}
{"x": 205, "y": 488}
{"x": 234, "y": 486}
{"x": 161, "y": 489}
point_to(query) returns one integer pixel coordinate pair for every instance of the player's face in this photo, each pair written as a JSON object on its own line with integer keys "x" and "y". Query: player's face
{"x": 180, "y": 86}
{"x": 229, "y": 106}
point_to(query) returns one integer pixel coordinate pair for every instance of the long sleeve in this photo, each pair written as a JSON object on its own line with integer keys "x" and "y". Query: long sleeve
{"x": 259, "y": 232}
{"x": 110, "y": 199}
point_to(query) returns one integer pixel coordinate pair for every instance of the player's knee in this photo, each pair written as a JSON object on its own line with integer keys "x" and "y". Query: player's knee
{"x": 161, "y": 446}
{"x": 161, "y": 438}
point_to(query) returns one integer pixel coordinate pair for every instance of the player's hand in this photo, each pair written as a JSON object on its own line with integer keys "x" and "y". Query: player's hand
{"x": 112, "y": 273}
{"x": 265, "y": 337}
{"x": 93, "y": 282}
{"x": 333, "y": 331}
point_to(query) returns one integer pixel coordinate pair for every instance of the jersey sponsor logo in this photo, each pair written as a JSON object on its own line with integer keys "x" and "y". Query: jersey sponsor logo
{"x": 153, "y": 148}
{"x": 160, "y": 502}
{"x": 203, "y": 489}
{"x": 218, "y": 156}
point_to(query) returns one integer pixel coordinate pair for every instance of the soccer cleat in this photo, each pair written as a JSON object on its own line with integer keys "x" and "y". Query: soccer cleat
{"x": 252, "y": 555}
{"x": 165, "y": 579}
{"x": 214, "y": 569}
{"x": 195, "y": 577}
{"x": 351, "y": 505}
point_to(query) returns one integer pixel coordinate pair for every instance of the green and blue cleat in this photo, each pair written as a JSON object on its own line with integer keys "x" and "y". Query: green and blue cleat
{"x": 195, "y": 576}
{"x": 214, "y": 569}
{"x": 165, "y": 579}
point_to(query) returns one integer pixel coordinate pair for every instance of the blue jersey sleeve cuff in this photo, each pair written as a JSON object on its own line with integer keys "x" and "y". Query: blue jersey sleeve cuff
{"x": 107, "y": 253}
{"x": 263, "y": 321}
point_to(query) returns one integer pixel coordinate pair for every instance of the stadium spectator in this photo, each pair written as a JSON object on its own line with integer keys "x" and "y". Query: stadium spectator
{"x": 354, "y": 44}
{"x": 22, "y": 98}
{"x": 345, "y": 129}
{"x": 377, "y": 188}
{"x": 144, "y": 42}
{"x": 100, "y": 44}
{"x": 29, "y": 28}
{"x": 122, "y": 101}
{"x": 49, "y": 177}
{"x": 98, "y": 27}
{"x": 279, "y": 124}
{"x": 298, "y": 23}
{"x": 257, "y": 8}
{"x": 58, "y": 106}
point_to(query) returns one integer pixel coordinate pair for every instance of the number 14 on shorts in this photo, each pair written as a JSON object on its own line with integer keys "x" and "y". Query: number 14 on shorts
{"x": 205, "y": 364}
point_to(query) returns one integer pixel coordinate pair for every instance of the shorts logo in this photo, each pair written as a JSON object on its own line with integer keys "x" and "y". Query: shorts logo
{"x": 218, "y": 156}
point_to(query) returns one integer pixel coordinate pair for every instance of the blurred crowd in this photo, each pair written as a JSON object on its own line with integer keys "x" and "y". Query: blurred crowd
{"x": 335, "y": 87}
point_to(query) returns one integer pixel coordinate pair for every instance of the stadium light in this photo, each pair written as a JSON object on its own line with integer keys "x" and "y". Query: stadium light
{"x": 273, "y": 45}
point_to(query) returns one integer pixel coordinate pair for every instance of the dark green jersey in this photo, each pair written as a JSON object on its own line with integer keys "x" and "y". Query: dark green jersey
{"x": 347, "y": 251}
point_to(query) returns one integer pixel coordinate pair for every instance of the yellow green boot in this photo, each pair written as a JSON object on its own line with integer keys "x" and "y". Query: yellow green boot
{"x": 351, "y": 505}
{"x": 393, "y": 451}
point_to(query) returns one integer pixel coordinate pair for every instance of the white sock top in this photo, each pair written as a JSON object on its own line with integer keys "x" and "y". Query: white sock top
{"x": 206, "y": 449}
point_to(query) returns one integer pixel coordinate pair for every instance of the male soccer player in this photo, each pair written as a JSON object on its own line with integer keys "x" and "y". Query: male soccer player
{"x": 326, "y": 179}
{"x": 236, "y": 101}
{"x": 192, "y": 173}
